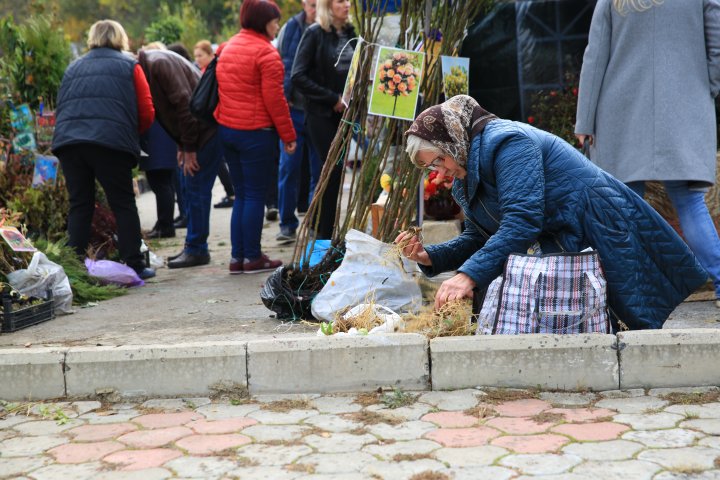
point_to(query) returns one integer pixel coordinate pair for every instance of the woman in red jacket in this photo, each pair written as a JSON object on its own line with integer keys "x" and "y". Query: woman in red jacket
{"x": 252, "y": 113}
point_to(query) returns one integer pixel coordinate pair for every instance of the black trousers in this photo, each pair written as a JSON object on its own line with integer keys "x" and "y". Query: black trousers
{"x": 304, "y": 188}
{"x": 271, "y": 197}
{"x": 82, "y": 164}
{"x": 162, "y": 185}
{"x": 322, "y": 131}
{"x": 224, "y": 176}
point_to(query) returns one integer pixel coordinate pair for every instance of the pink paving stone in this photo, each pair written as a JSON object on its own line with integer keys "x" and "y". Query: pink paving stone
{"x": 531, "y": 443}
{"x": 581, "y": 415}
{"x": 154, "y": 438}
{"x": 462, "y": 437}
{"x": 206, "y": 444}
{"x": 451, "y": 419}
{"x": 141, "y": 459}
{"x": 228, "y": 425}
{"x": 592, "y": 431}
{"x": 84, "y": 452}
{"x": 164, "y": 420}
{"x": 518, "y": 425}
{"x": 522, "y": 408}
{"x": 94, "y": 433}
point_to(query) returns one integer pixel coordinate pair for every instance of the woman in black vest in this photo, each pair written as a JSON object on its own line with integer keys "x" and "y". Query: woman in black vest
{"x": 103, "y": 105}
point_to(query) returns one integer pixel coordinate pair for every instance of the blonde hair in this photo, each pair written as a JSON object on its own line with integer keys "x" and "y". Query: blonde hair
{"x": 324, "y": 16}
{"x": 107, "y": 34}
{"x": 415, "y": 145}
{"x": 205, "y": 46}
{"x": 625, "y": 6}
{"x": 155, "y": 46}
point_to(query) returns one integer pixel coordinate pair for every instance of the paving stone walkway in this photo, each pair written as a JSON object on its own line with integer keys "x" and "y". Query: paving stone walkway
{"x": 660, "y": 434}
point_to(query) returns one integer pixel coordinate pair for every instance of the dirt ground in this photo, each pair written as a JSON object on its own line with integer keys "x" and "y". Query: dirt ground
{"x": 206, "y": 303}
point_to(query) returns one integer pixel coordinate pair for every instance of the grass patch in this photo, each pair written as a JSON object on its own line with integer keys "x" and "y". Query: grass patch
{"x": 247, "y": 462}
{"x": 398, "y": 399}
{"x": 652, "y": 411}
{"x": 409, "y": 457}
{"x": 367, "y": 399}
{"x": 372, "y": 418}
{"x": 691, "y": 416}
{"x": 692, "y": 398}
{"x": 501, "y": 395}
{"x": 308, "y": 468}
{"x": 359, "y": 431}
{"x": 429, "y": 475}
{"x": 236, "y": 393}
{"x": 548, "y": 417}
{"x": 480, "y": 411}
{"x": 284, "y": 406}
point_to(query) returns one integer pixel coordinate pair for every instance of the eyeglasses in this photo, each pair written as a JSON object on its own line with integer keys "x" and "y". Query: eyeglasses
{"x": 438, "y": 162}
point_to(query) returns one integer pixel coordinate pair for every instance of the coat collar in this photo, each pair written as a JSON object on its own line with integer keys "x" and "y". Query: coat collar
{"x": 472, "y": 167}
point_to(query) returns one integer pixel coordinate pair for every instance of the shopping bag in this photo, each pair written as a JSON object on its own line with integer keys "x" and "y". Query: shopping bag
{"x": 367, "y": 274}
{"x": 42, "y": 275}
{"x": 559, "y": 293}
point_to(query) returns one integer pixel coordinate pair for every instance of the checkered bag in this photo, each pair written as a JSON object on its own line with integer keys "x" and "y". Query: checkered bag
{"x": 557, "y": 293}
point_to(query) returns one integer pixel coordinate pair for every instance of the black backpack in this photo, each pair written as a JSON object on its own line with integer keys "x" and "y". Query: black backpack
{"x": 205, "y": 97}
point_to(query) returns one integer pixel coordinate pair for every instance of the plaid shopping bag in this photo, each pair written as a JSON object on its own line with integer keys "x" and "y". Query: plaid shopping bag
{"x": 557, "y": 293}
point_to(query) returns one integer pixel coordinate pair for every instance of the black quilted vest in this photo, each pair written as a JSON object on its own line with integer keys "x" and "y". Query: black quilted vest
{"x": 97, "y": 103}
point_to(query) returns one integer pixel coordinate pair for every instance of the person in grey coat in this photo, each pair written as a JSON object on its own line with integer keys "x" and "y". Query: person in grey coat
{"x": 649, "y": 77}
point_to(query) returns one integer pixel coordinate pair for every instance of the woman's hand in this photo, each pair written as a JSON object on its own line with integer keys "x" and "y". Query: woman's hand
{"x": 458, "y": 287}
{"x": 339, "y": 106}
{"x": 414, "y": 249}
{"x": 583, "y": 137}
{"x": 188, "y": 162}
{"x": 290, "y": 147}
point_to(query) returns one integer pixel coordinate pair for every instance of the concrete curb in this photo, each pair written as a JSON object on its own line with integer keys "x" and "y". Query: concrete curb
{"x": 338, "y": 364}
{"x": 159, "y": 370}
{"x": 660, "y": 358}
{"x": 669, "y": 358}
{"x": 550, "y": 362}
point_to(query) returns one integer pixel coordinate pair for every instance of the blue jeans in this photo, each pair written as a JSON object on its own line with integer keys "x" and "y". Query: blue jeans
{"x": 198, "y": 197}
{"x": 696, "y": 223}
{"x": 248, "y": 153}
{"x": 289, "y": 176}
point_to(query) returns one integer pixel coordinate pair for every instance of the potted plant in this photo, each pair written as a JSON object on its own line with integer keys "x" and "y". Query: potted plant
{"x": 438, "y": 200}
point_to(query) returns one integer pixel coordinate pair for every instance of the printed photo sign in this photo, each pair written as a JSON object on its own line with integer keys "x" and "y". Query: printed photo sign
{"x": 16, "y": 240}
{"x": 396, "y": 85}
{"x": 46, "y": 169}
{"x": 456, "y": 76}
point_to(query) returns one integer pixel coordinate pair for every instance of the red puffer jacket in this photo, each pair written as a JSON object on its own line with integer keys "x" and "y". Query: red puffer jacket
{"x": 250, "y": 77}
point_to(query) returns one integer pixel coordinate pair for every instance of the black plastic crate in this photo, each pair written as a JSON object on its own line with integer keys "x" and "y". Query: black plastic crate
{"x": 13, "y": 320}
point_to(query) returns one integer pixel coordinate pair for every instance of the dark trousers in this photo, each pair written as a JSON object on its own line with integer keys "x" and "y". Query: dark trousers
{"x": 179, "y": 182}
{"x": 82, "y": 164}
{"x": 271, "y": 197}
{"x": 224, "y": 175}
{"x": 304, "y": 193}
{"x": 322, "y": 131}
{"x": 162, "y": 185}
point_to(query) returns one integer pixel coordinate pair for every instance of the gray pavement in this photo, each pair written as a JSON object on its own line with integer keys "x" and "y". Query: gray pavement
{"x": 660, "y": 434}
{"x": 207, "y": 304}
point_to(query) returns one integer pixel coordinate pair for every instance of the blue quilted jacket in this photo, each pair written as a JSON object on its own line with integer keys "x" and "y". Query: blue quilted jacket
{"x": 524, "y": 184}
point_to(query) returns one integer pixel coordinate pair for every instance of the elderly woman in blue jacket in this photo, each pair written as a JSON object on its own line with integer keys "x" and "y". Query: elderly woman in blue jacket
{"x": 518, "y": 185}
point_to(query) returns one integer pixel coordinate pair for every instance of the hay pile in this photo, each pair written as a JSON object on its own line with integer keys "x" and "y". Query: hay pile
{"x": 451, "y": 320}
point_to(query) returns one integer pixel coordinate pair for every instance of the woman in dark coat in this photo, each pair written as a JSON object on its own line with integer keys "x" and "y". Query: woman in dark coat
{"x": 321, "y": 66}
{"x": 103, "y": 105}
{"x": 521, "y": 185}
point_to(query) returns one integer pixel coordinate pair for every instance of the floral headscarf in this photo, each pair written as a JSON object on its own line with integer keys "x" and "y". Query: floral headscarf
{"x": 451, "y": 125}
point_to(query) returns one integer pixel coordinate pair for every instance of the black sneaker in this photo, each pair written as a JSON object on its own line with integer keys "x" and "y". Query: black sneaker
{"x": 226, "y": 202}
{"x": 272, "y": 214}
{"x": 286, "y": 235}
